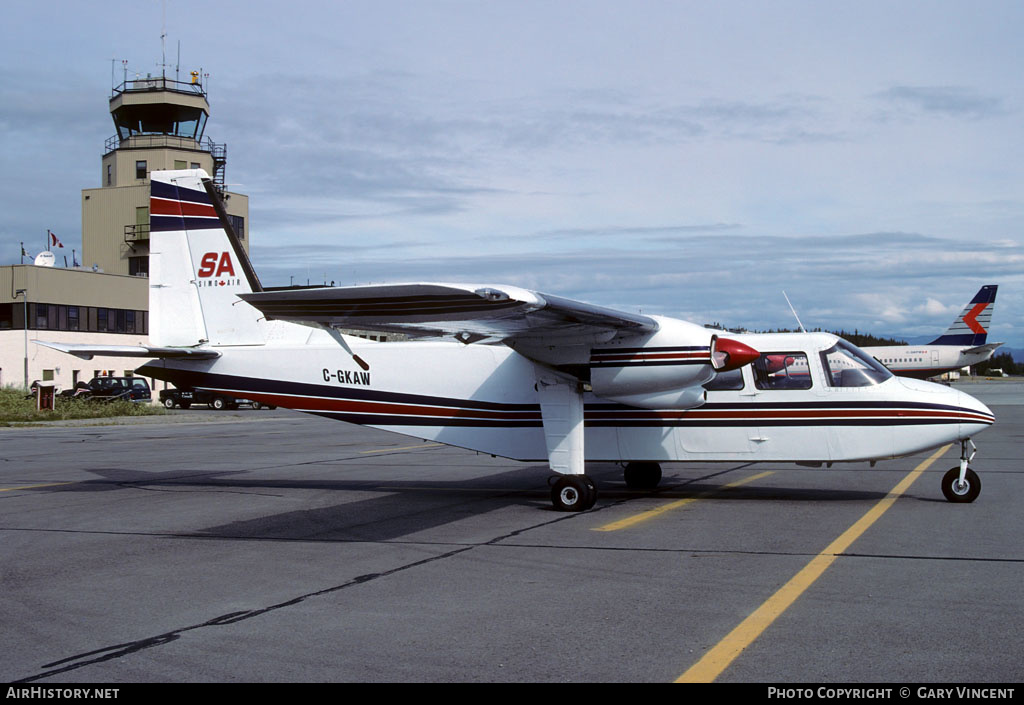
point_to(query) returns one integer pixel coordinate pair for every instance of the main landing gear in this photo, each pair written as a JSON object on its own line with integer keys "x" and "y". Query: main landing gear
{"x": 577, "y": 493}
{"x": 642, "y": 475}
{"x": 961, "y": 484}
{"x": 573, "y": 493}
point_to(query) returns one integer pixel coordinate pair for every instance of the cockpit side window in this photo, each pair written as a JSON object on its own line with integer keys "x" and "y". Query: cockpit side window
{"x": 782, "y": 370}
{"x": 846, "y": 365}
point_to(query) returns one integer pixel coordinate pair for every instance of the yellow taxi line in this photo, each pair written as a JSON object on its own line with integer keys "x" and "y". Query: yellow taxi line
{"x": 32, "y": 487}
{"x": 657, "y": 511}
{"x": 718, "y": 658}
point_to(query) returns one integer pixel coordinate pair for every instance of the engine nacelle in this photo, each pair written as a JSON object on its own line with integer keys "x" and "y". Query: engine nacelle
{"x": 664, "y": 370}
{"x": 686, "y": 398}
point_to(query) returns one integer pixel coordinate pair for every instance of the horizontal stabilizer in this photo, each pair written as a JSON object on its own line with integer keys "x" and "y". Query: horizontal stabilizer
{"x": 986, "y": 348}
{"x": 87, "y": 352}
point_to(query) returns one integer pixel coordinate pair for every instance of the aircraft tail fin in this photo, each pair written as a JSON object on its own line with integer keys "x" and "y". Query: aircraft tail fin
{"x": 971, "y": 326}
{"x": 198, "y": 267}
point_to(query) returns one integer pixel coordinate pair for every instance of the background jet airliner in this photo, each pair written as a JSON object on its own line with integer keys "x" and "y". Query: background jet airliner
{"x": 963, "y": 344}
{"x": 521, "y": 374}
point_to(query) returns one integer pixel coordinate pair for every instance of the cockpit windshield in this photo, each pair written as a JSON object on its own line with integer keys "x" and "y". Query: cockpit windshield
{"x": 846, "y": 365}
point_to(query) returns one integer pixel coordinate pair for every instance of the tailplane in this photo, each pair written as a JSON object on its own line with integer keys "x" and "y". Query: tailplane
{"x": 971, "y": 326}
{"x": 197, "y": 267}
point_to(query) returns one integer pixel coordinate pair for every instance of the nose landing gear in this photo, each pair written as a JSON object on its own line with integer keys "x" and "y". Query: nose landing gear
{"x": 960, "y": 484}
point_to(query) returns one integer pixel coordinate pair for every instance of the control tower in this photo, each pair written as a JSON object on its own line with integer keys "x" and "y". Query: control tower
{"x": 160, "y": 124}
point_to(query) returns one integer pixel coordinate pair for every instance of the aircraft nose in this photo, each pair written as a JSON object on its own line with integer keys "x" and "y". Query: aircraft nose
{"x": 974, "y": 415}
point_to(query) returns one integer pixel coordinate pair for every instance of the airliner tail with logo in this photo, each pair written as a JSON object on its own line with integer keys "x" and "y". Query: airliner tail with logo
{"x": 523, "y": 374}
{"x": 963, "y": 344}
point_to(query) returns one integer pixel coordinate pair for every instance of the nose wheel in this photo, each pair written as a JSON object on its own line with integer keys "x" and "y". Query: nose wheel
{"x": 961, "y": 491}
{"x": 573, "y": 493}
{"x": 960, "y": 484}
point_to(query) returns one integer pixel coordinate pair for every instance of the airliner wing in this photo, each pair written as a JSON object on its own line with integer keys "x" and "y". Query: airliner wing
{"x": 87, "y": 352}
{"x": 469, "y": 312}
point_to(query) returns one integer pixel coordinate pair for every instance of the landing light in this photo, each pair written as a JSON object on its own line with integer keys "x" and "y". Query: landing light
{"x": 491, "y": 294}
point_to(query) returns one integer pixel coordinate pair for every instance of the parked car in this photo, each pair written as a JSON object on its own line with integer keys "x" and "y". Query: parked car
{"x": 185, "y": 398}
{"x": 111, "y": 389}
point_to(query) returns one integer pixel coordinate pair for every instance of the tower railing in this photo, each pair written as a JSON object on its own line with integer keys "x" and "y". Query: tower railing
{"x": 219, "y": 151}
{"x": 159, "y": 83}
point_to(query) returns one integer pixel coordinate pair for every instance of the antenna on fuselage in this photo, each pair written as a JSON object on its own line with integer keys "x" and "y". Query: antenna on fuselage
{"x": 802, "y": 330}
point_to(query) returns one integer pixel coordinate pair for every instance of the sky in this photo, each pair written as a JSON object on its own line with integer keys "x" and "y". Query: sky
{"x": 689, "y": 159}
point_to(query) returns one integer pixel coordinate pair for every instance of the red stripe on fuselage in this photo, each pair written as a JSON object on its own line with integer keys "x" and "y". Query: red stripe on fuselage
{"x": 353, "y": 406}
{"x": 650, "y": 356}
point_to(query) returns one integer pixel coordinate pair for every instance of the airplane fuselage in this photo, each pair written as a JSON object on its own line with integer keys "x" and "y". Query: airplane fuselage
{"x": 924, "y": 361}
{"x": 484, "y": 398}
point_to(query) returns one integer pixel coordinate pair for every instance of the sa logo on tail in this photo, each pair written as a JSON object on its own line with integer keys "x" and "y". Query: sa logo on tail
{"x": 214, "y": 264}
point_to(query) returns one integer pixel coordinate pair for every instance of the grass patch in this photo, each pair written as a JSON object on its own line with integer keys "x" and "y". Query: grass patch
{"x": 15, "y": 408}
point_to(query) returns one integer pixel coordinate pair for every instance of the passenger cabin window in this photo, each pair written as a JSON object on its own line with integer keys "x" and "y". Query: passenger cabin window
{"x": 782, "y": 370}
{"x": 726, "y": 381}
{"x": 846, "y": 365}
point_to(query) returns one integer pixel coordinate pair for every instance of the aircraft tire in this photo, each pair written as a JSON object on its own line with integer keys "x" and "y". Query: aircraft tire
{"x": 955, "y": 493}
{"x": 573, "y": 493}
{"x": 642, "y": 475}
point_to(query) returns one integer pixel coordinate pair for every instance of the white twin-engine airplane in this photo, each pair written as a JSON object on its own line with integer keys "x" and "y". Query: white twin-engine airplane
{"x": 523, "y": 375}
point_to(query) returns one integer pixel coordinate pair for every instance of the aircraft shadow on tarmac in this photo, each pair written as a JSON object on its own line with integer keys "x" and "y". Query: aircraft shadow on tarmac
{"x": 403, "y": 507}
{"x": 416, "y": 507}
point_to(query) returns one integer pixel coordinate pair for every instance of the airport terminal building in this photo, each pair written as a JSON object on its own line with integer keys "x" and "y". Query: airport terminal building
{"x": 160, "y": 124}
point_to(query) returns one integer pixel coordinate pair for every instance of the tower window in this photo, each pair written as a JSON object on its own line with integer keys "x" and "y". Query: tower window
{"x": 138, "y": 266}
{"x": 238, "y": 225}
{"x": 140, "y": 169}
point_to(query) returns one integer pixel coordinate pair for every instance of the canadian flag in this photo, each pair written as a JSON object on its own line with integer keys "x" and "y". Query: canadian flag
{"x": 54, "y": 242}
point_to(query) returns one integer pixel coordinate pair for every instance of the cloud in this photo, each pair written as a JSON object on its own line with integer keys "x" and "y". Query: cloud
{"x": 736, "y": 279}
{"x": 949, "y": 101}
{"x": 934, "y": 307}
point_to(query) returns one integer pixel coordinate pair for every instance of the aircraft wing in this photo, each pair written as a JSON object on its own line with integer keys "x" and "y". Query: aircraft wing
{"x": 469, "y": 312}
{"x": 87, "y": 352}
